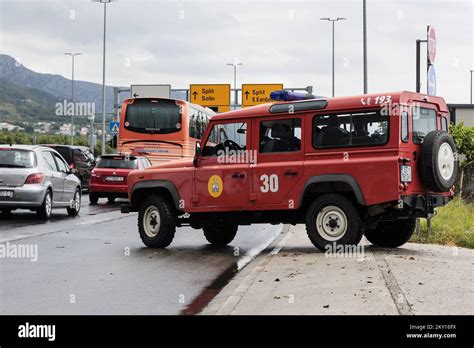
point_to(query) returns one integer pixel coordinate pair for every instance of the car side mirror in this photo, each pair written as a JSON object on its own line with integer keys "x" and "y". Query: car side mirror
{"x": 197, "y": 153}
{"x": 73, "y": 171}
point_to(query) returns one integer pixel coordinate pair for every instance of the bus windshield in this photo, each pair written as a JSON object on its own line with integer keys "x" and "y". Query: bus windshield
{"x": 153, "y": 117}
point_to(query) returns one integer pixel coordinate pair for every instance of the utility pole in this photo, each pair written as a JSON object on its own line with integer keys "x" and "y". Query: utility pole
{"x": 73, "y": 55}
{"x": 236, "y": 93}
{"x": 333, "y": 20}
{"x": 365, "y": 45}
{"x": 105, "y": 2}
{"x": 471, "y": 84}
{"x": 418, "y": 69}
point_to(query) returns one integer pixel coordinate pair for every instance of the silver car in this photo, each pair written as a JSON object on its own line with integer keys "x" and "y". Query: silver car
{"x": 37, "y": 178}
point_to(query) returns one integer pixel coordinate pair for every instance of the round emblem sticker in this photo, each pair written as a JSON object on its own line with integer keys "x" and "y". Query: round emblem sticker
{"x": 215, "y": 186}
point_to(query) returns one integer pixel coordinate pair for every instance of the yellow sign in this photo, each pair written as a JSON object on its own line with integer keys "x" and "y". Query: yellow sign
{"x": 215, "y": 186}
{"x": 255, "y": 94}
{"x": 210, "y": 95}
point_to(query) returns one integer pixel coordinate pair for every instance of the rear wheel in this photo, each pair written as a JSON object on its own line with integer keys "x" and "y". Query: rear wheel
{"x": 333, "y": 220}
{"x": 76, "y": 204}
{"x": 44, "y": 212}
{"x": 93, "y": 197}
{"x": 220, "y": 235}
{"x": 156, "y": 222}
{"x": 391, "y": 234}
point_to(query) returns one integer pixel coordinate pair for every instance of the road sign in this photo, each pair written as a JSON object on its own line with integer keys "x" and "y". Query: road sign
{"x": 431, "y": 39}
{"x": 255, "y": 94}
{"x": 210, "y": 95}
{"x": 431, "y": 80}
{"x": 150, "y": 91}
{"x": 114, "y": 127}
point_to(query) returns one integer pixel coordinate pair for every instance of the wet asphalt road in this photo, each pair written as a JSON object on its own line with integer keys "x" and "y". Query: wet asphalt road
{"x": 96, "y": 264}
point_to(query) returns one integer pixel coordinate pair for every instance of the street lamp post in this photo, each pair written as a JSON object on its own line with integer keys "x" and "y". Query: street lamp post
{"x": 73, "y": 55}
{"x": 471, "y": 84}
{"x": 105, "y": 2}
{"x": 364, "y": 10}
{"x": 333, "y": 21}
{"x": 236, "y": 94}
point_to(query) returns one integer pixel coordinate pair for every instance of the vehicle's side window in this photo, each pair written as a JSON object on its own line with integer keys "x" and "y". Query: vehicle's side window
{"x": 404, "y": 127}
{"x": 60, "y": 163}
{"x": 444, "y": 124}
{"x": 363, "y": 128}
{"x": 197, "y": 122}
{"x": 280, "y": 136}
{"x": 48, "y": 157}
{"x": 424, "y": 121}
{"x": 226, "y": 137}
{"x": 79, "y": 156}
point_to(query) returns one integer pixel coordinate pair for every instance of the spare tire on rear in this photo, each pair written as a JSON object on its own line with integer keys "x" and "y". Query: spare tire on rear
{"x": 438, "y": 161}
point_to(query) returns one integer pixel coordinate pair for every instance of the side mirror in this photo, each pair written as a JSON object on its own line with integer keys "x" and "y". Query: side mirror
{"x": 73, "y": 171}
{"x": 197, "y": 153}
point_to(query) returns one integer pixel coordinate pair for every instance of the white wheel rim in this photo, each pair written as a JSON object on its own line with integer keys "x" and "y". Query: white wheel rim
{"x": 446, "y": 161}
{"x": 77, "y": 201}
{"x": 48, "y": 205}
{"x": 151, "y": 221}
{"x": 331, "y": 223}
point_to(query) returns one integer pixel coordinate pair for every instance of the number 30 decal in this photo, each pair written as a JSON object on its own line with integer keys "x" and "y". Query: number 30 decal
{"x": 269, "y": 183}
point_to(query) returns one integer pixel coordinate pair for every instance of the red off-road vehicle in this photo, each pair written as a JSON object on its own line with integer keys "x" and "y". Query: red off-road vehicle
{"x": 349, "y": 166}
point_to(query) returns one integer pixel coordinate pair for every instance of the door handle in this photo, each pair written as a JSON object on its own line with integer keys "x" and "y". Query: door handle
{"x": 291, "y": 173}
{"x": 238, "y": 175}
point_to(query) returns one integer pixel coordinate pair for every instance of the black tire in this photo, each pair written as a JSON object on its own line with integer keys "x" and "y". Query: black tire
{"x": 111, "y": 200}
{"x": 77, "y": 206}
{"x": 93, "y": 198}
{"x": 220, "y": 235}
{"x": 431, "y": 175}
{"x": 44, "y": 212}
{"x": 167, "y": 222}
{"x": 341, "y": 209}
{"x": 6, "y": 212}
{"x": 391, "y": 234}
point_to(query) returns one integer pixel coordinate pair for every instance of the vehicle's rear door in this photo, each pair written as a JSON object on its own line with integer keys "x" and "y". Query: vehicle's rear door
{"x": 69, "y": 184}
{"x": 54, "y": 176}
{"x": 279, "y": 165}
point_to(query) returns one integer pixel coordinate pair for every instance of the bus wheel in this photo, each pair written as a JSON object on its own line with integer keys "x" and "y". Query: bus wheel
{"x": 156, "y": 222}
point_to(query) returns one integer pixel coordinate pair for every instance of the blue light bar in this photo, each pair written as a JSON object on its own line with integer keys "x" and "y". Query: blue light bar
{"x": 289, "y": 96}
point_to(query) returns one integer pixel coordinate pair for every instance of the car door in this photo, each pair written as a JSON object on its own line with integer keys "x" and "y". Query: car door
{"x": 222, "y": 177}
{"x": 279, "y": 165}
{"x": 53, "y": 175}
{"x": 68, "y": 179}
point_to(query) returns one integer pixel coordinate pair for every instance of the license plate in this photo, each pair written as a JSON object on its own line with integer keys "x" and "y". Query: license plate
{"x": 405, "y": 173}
{"x": 114, "y": 178}
{"x": 6, "y": 194}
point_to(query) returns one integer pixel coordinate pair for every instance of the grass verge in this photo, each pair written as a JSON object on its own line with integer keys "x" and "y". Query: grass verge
{"x": 453, "y": 225}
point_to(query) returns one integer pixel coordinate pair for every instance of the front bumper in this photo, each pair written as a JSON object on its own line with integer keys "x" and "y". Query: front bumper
{"x": 27, "y": 196}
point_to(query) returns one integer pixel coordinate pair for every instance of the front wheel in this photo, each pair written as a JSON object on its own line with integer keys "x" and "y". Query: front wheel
{"x": 156, "y": 222}
{"x": 391, "y": 234}
{"x": 220, "y": 235}
{"x": 332, "y": 220}
{"x": 76, "y": 203}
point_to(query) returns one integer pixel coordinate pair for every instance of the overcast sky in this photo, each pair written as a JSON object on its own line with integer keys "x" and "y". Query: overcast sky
{"x": 281, "y": 41}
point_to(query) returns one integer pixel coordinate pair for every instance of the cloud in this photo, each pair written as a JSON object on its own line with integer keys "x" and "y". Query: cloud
{"x": 183, "y": 42}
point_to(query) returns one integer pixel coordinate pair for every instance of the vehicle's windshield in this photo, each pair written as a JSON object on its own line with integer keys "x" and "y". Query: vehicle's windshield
{"x": 153, "y": 116}
{"x": 118, "y": 163}
{"x": 16, "y": 158}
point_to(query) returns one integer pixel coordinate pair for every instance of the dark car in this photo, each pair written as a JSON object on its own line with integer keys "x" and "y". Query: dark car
{"x": 79, "y": 158}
